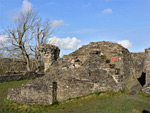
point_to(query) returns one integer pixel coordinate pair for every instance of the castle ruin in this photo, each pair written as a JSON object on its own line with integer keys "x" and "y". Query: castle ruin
{"x": 96, "y": 67}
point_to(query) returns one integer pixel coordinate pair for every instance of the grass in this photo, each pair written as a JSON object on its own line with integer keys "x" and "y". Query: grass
{"x": 102, "y": 102}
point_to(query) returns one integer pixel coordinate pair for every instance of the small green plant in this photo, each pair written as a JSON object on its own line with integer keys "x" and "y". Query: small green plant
{"x": 125, "y": 90}
{"x": 143, "y": 94}
{"x": 56, "y": 103}
{"x": 98, "y": 93}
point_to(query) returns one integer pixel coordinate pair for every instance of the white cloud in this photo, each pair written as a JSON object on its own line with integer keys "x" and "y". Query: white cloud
{"x": 125, "y": 43}
{"x": 58, "y": 23}
{"x": 26, "y": 6}
{"x": 3, "y": 39}
{"x": 65, "y": 43}
{"x": 142, "y": 50}
{"x": 107, "y": 11}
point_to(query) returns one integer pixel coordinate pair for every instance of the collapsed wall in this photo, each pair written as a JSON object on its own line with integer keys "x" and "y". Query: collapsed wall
{"x": 99, "y": 66}
{"x": 146, "y": 88}
{"x": 138, "y": 63}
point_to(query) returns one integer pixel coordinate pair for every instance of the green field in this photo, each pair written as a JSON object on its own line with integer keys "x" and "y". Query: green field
{"x": 105, "y": 102}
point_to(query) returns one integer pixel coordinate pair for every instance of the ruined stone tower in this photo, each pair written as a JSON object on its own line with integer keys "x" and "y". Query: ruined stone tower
{"x": 50, "y": 54}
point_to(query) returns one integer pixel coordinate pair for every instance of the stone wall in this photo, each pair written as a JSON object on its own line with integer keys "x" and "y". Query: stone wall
{"x": 146, "y": 88}
{"x": 21, "y": 76}
{"x": 99, "y": 66}
{"x": 147, "y": 65}
{"x": 135, "y": 81}
{"x": 138, "y": 63}
{"x": 39, "y": 92}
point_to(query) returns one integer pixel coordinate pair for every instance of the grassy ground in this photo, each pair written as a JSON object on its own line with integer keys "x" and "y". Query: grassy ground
{"x": 106, "y": 102}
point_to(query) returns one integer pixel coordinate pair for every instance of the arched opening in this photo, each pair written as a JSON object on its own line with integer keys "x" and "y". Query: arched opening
{"x": 142, "y": 79}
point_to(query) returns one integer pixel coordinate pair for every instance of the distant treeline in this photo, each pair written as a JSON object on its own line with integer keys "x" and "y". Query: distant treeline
{"x": 13, "y": 65}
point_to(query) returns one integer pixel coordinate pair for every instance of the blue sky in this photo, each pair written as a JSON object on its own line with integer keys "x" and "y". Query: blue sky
{"x": 122, "y": 21}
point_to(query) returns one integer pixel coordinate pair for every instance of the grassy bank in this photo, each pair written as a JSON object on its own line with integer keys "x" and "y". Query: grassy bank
{"x": 107, "y": 102}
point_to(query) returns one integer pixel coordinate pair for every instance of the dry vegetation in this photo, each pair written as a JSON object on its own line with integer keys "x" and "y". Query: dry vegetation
{"x": 13, "y": 65}
{"x": 24, "y": 36}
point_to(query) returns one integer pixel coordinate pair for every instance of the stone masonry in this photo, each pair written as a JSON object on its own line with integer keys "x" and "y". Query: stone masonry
{"x": 98, "y": 66}
{"x": 147, "y": 65}
{"x": 50, "y": 54}
{"x": 146, "y": 88}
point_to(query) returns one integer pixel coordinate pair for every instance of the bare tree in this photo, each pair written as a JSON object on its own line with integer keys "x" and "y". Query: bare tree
{"x": 1, "y": 53}
{"x": 20, "y": 35}
{"x": 42, "y": 32}
{"x": 24, "y": 37}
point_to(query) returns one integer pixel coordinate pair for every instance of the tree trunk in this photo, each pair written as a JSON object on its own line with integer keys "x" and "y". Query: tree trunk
{"x": 38, "y": 62}
{"x": 28, "y": 66}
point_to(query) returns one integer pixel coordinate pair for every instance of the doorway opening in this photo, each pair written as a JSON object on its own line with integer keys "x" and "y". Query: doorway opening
{"x": 142, "y": 79}
{"x": 54, "y": 92}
